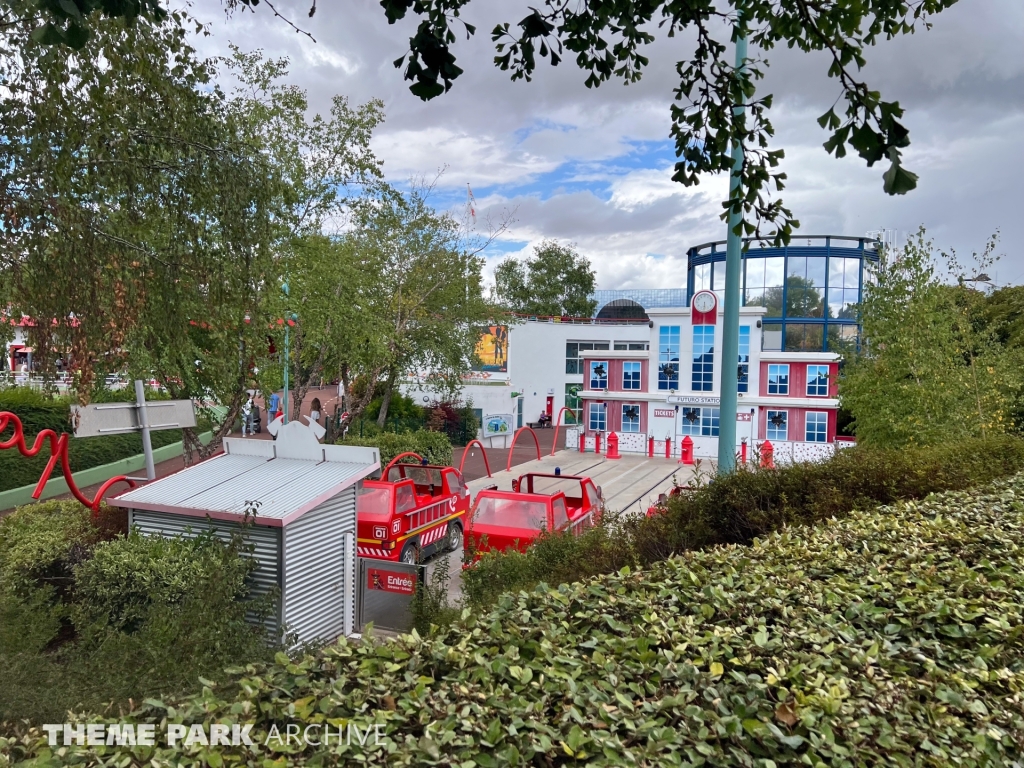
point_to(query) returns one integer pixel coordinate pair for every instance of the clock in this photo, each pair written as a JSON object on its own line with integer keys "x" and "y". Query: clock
{"x": 704, "y": 301}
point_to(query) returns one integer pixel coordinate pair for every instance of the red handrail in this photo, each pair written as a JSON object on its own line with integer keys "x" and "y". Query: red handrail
{"x": 482, "y": 449}
{"x": 516, "y": 437}
{"x": 394, "y": 461}
{"x": 558, "y": 423}
{"x": 58, "y": 450}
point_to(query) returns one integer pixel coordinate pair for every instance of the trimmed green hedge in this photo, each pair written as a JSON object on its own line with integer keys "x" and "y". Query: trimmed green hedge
{"x": 38, "y": 412}
{"x": 891, "y": 637}
{"x": 746, "y": 504}
{"x": 433, "y": 446}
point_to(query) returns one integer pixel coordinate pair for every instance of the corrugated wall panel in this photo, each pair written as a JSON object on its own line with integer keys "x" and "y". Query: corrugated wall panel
{"x": 266, "y": 542}
{"x": 317, "y": 605}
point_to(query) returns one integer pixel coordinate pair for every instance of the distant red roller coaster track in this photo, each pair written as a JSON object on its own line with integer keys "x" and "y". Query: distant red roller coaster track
{"x": 58, "y": 450}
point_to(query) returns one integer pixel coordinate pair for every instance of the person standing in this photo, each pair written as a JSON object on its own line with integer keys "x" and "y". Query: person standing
{"x": 247, "y": 416}
{"x": 314, "y": 413}
{"x": 274, "y": 406}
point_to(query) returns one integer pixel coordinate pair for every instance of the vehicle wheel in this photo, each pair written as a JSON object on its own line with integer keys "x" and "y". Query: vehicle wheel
{"x": 454, "y": 537}
{"x": 410, "y": 555}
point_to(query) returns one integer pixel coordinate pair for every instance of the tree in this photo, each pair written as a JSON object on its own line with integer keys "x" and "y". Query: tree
{"x": 322, "y": 162}
{"x": 555, "y": 281}
{"x": 930, "y": 369}
{"x": 606, "y": 38}
{"x": 136, "y": 221}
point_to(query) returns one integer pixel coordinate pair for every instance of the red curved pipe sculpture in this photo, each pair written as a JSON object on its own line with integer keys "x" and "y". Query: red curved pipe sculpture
{"x": 58, "y": 450}
{"x": 516, "y": 437}
{"x": 482, "y": 450}
{"x": 558, "y": 423}
{"x": 394, "y": 461}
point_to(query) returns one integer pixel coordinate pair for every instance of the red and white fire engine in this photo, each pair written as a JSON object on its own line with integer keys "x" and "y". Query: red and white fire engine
{"x": 411, "y": 513}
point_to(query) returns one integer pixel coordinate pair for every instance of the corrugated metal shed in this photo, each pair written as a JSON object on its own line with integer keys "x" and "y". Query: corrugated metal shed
{"x": 304, "y": 529}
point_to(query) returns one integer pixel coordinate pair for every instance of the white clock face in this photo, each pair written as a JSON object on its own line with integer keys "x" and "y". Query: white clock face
{"x": 704, "y": 302}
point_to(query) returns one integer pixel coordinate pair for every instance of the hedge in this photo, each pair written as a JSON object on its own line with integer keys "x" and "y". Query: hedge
{"x": 38, "y": 411}
{"x": 890, "y": 637}
{"x": 433, "y": 446}
{"x": 746, "y": 504}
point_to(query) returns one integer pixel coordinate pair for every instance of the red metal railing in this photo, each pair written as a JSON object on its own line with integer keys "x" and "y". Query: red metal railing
{"x": 558, "y": 423}
{"x": 395, "y": 460}
{"x": 465, "y": 452}
{"x": 58, "y": 450}
{"x": 515, "y": 437}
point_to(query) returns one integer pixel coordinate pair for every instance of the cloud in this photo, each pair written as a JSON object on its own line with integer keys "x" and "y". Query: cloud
{"x": 593, "y": 166}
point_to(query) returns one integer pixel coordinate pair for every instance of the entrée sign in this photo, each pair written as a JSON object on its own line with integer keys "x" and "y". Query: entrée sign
{"x": 391, "y": 581}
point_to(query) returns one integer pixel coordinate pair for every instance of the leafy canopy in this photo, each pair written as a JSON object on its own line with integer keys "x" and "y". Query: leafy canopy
{"x": 607, "y": 38}
{"x": 556, "y": 281}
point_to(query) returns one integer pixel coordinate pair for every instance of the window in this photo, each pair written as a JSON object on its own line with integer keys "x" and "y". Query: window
{"x": 700, "y": 422}
{"x": 817, "y": 381}
{"x": 598, "y": 374}
{"x": 630, "y": 418}
{"x": 631, "y": 346}
{"x": 703, "y": 357}
{"x": 572, "y": 401}
{"x": 743, "y": 374}
{"x": 560, "y": 513}
{"x": 668, "y": 357}
{"x": 816, "y": 429}
{"x": 631, "y": 375}
{"x": 574, "y": 353}
{"x": 778, "y": 379}
{"x": 598, "y": 417}
{"x": 778, "y": 425}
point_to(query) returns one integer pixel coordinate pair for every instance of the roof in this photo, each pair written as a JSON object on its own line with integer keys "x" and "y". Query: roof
{"x": 288, "y": 478}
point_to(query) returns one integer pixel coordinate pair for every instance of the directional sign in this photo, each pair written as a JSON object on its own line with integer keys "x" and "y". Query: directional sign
{"x": 119, "y": 418}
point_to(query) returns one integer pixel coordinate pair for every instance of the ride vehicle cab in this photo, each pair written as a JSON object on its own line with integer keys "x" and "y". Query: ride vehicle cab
{"x": 411, "y": 513}
{"x": 514, "y": 519}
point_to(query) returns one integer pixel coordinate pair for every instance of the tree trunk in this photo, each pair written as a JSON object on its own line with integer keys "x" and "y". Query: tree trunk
{"x": 194, "y": 450}
{"x": 386, "y": 402}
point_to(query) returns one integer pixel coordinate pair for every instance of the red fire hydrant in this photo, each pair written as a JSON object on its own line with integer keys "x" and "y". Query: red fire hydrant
{"x": 767, "y": 455}
{"x": 613, "y": 447}
{"x": 686, "y": 450}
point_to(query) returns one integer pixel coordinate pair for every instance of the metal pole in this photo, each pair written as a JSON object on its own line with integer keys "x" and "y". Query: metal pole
{"x": 147, "y": 444}
{"x": 731, "y": 321}
{"x": 287, "y": 361}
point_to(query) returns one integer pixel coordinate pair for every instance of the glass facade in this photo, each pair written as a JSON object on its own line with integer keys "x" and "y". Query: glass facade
{"x": 702, "y": 379}
{"x": 668, "y": 357}
{"x": 811, "y": 288}
{"x": 743, "y": 372}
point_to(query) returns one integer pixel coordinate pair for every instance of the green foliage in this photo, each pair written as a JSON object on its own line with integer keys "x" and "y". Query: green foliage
{"x": 123, "y": 579}
{"x": 737, "y": 508}
{"x": 891, "y": 637}
{"x": 402, "y": 409}
{"x": 86, "y": 620}
{"x": 41, "y": 543}
{"x": 433, "y": 446}
{"x": 555, "y": 281}
{"x": 931, "y": 369}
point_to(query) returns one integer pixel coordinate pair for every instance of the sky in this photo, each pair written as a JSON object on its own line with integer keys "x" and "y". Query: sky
{"x": 592, "y": 167}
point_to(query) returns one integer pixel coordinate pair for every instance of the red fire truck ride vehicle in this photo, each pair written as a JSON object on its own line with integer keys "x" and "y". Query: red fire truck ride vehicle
{"x": 514, "y": 519}
{"x": 411, "y": 513}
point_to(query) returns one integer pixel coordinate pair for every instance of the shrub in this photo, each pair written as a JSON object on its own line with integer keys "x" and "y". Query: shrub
{"x": 433, "y": 446}
{"x": 890, "y": 637}
{"x": 746, "y": 504}
{"x": 124, "y": 578}
{"x": 41, "y": 543}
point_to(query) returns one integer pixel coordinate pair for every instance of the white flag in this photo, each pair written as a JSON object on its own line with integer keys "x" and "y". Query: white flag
{"x": 472, "y": 203}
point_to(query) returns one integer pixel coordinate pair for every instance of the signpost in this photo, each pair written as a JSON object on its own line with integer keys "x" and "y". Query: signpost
{"x": 121, "y": 418}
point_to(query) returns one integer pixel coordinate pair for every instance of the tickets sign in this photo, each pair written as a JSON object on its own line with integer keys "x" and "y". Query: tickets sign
{"x": 391, "y": 581}
{"x": 664, "y": 413}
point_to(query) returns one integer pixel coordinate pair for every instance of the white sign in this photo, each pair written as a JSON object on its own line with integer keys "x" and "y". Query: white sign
{"x": 694, "y": 399}
{"x": 664, "y": 413}
{"x": 497, "y": 424}
{"x": 742, "y": 417}
{"x": 119, "y": 418}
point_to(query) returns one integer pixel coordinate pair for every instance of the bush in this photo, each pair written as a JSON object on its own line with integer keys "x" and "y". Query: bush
{"x": 891, "y": 637}
{"x": 88, "y": 616}
{"x": 746, "y": 504}
{"x": 433, "y": 446}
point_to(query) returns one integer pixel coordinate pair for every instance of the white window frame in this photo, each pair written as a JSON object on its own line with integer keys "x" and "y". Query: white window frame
{"x": 639, "y": 376}
{"x": 824, "y": 435}
{"x": 808, "y": 386}
{"x": 623, "y": 414}
{"x": 603, "y": 408}
{"x": 590, "y": 378}
{"x": 778, "y": 387}
{"x": 769, "y": 427}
